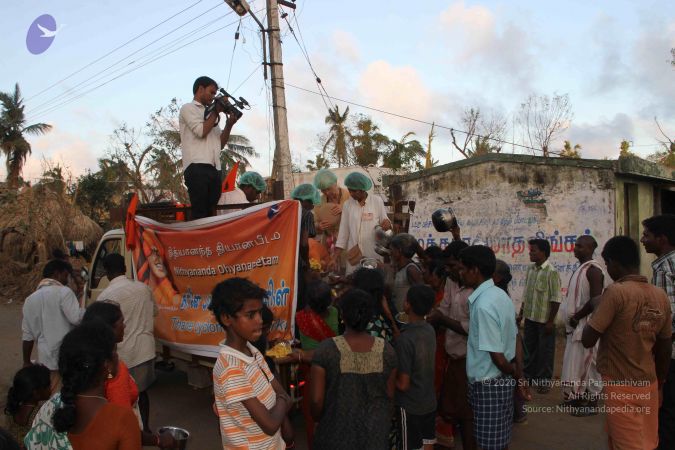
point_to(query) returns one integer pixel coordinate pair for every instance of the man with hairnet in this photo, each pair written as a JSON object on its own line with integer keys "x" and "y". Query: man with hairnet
{"x": 248, "y": 190}
{"x": 327, "y": 215}
{"x": 308, "y": 197}
{"x": 360, "y": 215}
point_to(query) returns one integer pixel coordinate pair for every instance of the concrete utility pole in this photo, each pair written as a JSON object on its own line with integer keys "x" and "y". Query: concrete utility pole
{"x": 281, "y": 167}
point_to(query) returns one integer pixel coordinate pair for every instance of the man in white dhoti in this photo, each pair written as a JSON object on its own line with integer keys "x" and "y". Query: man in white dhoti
{"x": 581, "y": 382}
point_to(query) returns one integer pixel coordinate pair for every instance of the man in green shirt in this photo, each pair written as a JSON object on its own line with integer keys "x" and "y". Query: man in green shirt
{"x": 540, "y": 306}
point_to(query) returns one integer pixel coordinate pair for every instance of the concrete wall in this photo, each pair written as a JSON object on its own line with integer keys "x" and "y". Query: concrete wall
{"x": 634, "y": 203}
{"x": 504, "y": 204}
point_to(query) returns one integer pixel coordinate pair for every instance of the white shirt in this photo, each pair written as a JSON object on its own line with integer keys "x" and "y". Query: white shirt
{"x": 49, "y": 314}
{"x": 233, "y": 197}
{"x": 357, "y": 226}
{"x": 135, "y": 300}
{"x": 195, "y": 148}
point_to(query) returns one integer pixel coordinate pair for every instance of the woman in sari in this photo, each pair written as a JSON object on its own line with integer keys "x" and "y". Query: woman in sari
{"x": 317, "y": 322}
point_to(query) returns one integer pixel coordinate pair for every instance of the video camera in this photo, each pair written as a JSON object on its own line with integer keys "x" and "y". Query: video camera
{"x": 223, "y": 99}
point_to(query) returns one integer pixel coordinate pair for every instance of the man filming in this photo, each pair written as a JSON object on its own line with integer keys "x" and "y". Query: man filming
{"x": 201, "y": 143}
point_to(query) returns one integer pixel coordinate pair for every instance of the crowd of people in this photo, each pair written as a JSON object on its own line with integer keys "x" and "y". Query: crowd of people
{"x": 406, "y": 348}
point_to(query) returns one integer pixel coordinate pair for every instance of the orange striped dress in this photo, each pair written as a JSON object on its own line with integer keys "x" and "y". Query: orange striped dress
{"x": 238, "y": 377}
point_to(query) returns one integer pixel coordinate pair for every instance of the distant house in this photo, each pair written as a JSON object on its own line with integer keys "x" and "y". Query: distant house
{"x": 503, "y": 200}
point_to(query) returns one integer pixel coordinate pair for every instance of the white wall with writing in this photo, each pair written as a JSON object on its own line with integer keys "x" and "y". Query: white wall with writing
{"x": 504, "y": 205}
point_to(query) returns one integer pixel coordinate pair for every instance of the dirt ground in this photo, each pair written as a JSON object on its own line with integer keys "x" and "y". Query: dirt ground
{"x": 174, "y": 402}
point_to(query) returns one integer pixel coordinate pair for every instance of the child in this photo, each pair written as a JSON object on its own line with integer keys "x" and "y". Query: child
{"x": 416, "y": 350}
{"x": 251, "y": 403}
{"x": 491, "y": 366}
{"x": 353, "y": 382}
{"x": 31, "y": 387}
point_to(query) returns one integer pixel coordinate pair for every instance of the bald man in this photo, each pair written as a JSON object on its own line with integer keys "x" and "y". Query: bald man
{"x": 581, "y": 382}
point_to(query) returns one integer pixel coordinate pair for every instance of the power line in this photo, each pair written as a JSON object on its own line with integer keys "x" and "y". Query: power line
{"x": 37, "y": 109}
{"x": 234, "y": 48}
{"x": 305, "y": 53}
{"x": 113, "y": 50}
{"x": 135, "y": 68}
{"x": 451, "y": 129}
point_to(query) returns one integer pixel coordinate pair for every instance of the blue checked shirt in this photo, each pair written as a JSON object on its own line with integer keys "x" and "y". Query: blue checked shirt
{"x": 663, "y": 276}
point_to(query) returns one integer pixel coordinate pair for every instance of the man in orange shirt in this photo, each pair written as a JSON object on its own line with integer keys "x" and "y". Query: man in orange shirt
{"x": 632, "y": 322}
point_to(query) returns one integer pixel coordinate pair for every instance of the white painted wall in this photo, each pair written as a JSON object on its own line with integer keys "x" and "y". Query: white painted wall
{"x": 563, "y": 203}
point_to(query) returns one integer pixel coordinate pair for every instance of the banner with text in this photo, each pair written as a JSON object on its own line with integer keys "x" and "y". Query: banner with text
{"x": 183, "y": 262}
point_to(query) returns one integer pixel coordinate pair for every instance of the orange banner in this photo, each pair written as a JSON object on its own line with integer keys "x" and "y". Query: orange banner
{"x": 183, "y": 262}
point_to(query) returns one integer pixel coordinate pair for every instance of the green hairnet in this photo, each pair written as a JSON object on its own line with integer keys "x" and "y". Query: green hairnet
{"x": 254, "y": 180}
{"x": 324, "y": 179}
{"x": 306, "y": 191}
{"x": 356, "y": 181}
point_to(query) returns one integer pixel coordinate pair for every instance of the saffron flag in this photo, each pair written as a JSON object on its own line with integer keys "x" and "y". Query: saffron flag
{"x": 130, "y": 224}
{"x": 183, "y": 262}
{"x": 230, "y": 179}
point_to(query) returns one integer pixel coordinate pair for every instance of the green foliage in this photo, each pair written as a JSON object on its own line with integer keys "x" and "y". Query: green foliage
{"x": 625, "y": 149}
{"x": 404, "y": 154}
{"x": 368, "y": 142}
{"x": 13, "y": 131}
{"x": 571, "y": 152}
{"x": 93, "y": 195}
{"x": 320, "y": 162}
{"x": 339, "y": 136}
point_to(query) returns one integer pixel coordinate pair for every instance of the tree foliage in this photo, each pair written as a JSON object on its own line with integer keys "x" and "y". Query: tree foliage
{"x": 667, "y": 155}
{"x": 571, "y": 152}
{"x": 624, "y": 149}
{"x": 13, "y": 131}
{"x": 404, "y": 154}
{"x": 482, "y": 134}
{"x": 368, "y": 142}
{"x": 320, "y": 162}
{"x": 544, "y": 118}
{"x": 339, "y": 136}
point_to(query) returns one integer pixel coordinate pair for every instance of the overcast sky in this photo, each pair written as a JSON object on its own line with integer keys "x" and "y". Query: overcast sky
{"x": 427, "y": 60}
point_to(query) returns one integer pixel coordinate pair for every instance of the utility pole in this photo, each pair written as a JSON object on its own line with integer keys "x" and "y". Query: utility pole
{"x": 281, "y": 167}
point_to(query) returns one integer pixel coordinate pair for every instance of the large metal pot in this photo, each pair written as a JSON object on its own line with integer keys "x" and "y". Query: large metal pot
{"x": 180, "y": 435}
{"x": 444, "y": 220}
{"x": 382, "y": 239}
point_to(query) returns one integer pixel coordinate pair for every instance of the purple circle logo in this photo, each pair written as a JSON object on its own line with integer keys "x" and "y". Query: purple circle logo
{"x": 41, "y": 34}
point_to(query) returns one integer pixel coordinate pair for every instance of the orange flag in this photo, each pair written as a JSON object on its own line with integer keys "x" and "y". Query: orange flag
{"x": 130, "y": 225}
{"x": 231, "y": 178}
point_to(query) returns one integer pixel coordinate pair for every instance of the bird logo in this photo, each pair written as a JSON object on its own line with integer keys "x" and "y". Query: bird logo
{"x": 49, "y": 33}
{"x": 41, "y": 34}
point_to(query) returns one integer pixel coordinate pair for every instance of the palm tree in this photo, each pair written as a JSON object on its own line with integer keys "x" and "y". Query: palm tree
{"x": 320, "y": 162}
{"x": 339, "y": 135}
{"x": 404, "y": 154}
{"x": 13, "y": 129}
{"x": 368, "y": 142}
{"x": 239, "y": 148}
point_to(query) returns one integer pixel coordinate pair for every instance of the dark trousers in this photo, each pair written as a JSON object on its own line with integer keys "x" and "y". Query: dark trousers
{"x": 667, "y": 411}
{"x": 539, "y": 352}
{"x": 203, "y": 184}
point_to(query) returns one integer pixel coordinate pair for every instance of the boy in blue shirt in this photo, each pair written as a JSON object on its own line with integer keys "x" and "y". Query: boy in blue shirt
{"x": 491, "y": 366}
{"x": 416, "y": 350}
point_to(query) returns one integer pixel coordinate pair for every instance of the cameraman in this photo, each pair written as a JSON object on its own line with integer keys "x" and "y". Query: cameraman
{"x": 201, "y": 143}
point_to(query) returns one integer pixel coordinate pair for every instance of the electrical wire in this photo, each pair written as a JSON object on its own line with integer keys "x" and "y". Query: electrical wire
{"x": 136, "y": 68}
{"x": 451, "y": 129}
{"x": 234, "y": 48}
{"x": 112, "y": 51}
{"x": 37, "y": 109}
{"x": 305, "y": 53}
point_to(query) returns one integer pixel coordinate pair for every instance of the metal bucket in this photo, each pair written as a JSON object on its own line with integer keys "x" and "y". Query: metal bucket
{"x": 181, "y": 436}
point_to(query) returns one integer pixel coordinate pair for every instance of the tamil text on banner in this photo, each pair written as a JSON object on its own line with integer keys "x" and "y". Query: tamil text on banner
{"x": 183, "y": 262}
